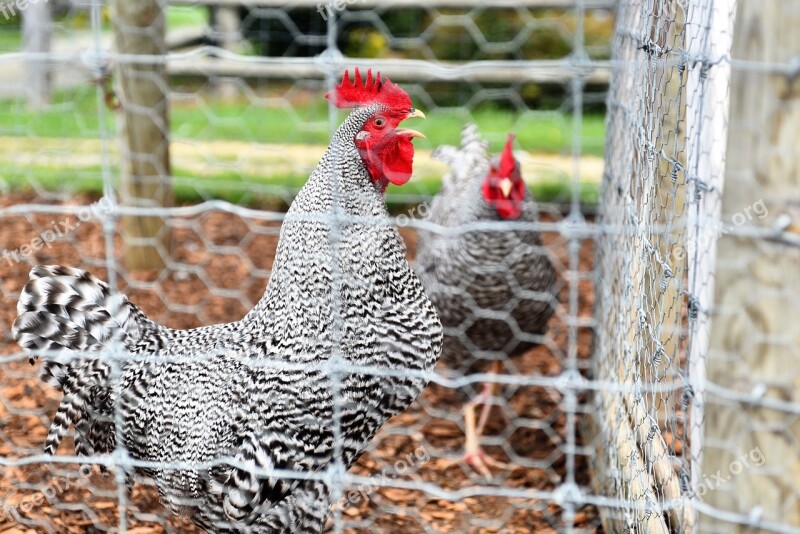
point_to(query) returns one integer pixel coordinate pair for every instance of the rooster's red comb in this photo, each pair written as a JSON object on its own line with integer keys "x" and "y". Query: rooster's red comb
{"x": 361, "y": 92}
{"x": 507, "y": 162}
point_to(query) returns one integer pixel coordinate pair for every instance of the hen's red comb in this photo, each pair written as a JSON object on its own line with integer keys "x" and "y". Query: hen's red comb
{"x": 507, "y": 162}
{"x": 372, "y": 90}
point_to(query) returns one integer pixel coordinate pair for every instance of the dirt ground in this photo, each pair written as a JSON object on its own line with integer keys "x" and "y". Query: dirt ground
{"x": 219, "y": 268}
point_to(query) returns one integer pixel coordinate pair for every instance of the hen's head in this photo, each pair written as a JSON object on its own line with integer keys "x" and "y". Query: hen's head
{"x": 503, "y": 187}
{"x": 386, "y": 150}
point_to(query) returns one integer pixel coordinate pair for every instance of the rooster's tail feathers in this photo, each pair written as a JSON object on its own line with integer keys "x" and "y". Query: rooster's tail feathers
{"x": 473, "y": 148}
{"x": 67, "y": 311}
{"x": 70, "y": 308}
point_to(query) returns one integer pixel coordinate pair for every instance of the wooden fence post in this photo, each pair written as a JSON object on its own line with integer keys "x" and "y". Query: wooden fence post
{"x": 755, "y": 336}
{"x": 143, "y": 126}
{"x": 37, "y": 32}
{"x": 227, "y": 29}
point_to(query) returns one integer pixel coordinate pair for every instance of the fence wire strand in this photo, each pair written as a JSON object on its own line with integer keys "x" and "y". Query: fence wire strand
{"x": 604, "y": 424}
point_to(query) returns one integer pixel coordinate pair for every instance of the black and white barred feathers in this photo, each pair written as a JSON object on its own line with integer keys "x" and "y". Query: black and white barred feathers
{"x": 224, "y": 405}
{"x": 492, "y": 288}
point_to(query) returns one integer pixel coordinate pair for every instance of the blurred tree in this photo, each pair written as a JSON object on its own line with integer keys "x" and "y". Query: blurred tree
{"x": 444, "y": 34}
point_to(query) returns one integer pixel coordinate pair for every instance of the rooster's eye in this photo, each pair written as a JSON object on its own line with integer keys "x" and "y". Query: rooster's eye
{"x": 380, "y": 122}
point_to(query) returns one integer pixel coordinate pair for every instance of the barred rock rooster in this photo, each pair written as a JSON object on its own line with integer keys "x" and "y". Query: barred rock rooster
{"x": 225, "y": 406}
{"x": 493, "y": 288}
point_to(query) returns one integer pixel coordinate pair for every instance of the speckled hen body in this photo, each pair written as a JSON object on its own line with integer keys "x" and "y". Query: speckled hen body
{"x": 226, "y": 404}
{"x": 493, "y": 288}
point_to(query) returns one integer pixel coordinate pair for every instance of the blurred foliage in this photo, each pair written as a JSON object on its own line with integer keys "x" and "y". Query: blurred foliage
{"x": 64, "y": 13}
{"x": 10, "y": 22}
{"x": 275, "y": 33}
{"x": 484, "y": 33}
{"x": 421, "y": 33}
{"x": 366, "y": 42}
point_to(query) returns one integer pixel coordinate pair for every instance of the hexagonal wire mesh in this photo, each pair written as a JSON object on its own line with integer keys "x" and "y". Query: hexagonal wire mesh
{"x": 684, "y": 448}
{"x": 654, "y": 273}
{"x": 248, "y": 124}
{"x": 248, "y": 129}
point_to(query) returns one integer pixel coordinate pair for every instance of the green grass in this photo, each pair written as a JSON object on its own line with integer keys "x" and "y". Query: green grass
{"x": 260, "y": 191}
{"x": 549, "y": 132}
{"x": 182, "y": 16}
{"x": 10, "y": 38}
{"x": 74, "y": 114}
{"x": 71, "y": 114}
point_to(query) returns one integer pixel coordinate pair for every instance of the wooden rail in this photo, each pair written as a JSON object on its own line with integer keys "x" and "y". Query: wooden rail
{"x": 540, "y": 71}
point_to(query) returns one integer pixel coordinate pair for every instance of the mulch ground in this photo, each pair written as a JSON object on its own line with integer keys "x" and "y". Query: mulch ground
{"x": 219, "y": 268}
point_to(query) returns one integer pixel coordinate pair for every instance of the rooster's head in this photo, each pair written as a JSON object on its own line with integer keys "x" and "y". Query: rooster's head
{"x": 503, "y": 187}
{"x": 386, "y": 150}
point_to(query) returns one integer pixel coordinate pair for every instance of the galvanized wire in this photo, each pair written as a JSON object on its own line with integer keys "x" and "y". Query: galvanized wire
{"x": 620, "y": 442}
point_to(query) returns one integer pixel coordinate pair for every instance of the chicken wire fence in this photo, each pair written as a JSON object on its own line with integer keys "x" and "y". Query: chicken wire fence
{"x": 621, "y": 441}
{"x": 659, "y": 273}
{"x": 684, "y": 432}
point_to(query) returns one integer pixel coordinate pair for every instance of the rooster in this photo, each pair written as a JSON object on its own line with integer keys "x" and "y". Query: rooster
{"x": 493, "y": 288}
{"x": 285, "y": 388}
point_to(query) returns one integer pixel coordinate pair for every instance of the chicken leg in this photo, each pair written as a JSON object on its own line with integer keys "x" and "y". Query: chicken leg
{"x": 474, "y": 455}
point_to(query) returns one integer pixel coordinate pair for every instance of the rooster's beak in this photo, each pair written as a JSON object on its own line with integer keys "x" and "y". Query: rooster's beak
{"x": 505, "y": 186}
{"x": 410, "y": 133}
{"x": 415, "y": 113}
